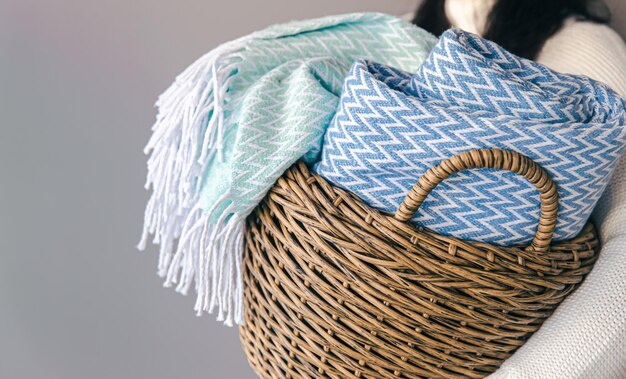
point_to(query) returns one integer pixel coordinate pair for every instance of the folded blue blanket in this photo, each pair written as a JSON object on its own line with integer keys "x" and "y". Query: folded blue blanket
{"x": 391, "y": 127}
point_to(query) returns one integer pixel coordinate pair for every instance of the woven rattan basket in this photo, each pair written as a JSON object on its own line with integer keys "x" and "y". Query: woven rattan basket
{"x": 336, "y": 289}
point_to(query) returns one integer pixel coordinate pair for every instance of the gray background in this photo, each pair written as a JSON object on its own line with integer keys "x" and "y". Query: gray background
{"x": 77, "y": 84}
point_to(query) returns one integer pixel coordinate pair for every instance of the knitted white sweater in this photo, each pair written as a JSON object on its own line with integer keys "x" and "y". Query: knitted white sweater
{"x": 586, "y": 336}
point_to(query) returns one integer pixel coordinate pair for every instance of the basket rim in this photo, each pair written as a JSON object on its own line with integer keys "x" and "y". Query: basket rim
{"x": 378, "y": 215}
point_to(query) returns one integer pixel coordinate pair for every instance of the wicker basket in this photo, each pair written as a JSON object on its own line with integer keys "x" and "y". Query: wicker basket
{"x": 336, "y": 289}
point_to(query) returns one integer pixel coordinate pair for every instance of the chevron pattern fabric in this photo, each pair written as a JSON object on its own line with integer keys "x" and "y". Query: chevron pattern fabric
{"x": 292, "y": 93}
{"x": 234, "y": 121}
{"x": 470, "y": 93}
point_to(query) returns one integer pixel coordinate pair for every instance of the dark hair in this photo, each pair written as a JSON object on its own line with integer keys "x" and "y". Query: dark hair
{"x": 522, "y": 27}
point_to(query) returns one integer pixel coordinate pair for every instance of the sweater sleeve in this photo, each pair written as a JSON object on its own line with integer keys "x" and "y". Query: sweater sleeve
{"x": 590, "y": 49}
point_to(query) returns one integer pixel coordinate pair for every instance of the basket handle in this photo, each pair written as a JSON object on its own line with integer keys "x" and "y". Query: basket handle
{"x": 496, "y": 159}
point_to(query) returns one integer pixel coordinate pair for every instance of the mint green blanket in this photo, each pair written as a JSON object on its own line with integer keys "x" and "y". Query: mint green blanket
{"x": 233, "y": 122}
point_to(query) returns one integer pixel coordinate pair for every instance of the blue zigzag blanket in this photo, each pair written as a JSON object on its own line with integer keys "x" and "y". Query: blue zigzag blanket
{"x": 392, "y": 126}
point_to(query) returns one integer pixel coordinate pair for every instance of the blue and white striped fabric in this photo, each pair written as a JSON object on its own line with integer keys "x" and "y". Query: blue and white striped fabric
{"x": 391, "y": 127}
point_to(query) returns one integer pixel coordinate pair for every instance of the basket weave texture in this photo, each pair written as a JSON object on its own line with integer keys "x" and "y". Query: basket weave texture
{"x": 336, "y": 289}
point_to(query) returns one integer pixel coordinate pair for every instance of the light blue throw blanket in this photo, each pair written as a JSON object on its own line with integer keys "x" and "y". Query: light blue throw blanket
{"x": 234, "y": 121}
{"x": 470, "y": 93}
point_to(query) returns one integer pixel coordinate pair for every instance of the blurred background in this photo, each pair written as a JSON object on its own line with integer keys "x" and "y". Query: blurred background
{"x": 78, "y": 80}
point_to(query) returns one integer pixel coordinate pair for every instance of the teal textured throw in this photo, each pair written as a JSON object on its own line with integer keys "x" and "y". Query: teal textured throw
{"x": 234, "y": 121}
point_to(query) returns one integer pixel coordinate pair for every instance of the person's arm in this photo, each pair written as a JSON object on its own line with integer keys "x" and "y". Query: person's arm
{"x": 590, "y": 49}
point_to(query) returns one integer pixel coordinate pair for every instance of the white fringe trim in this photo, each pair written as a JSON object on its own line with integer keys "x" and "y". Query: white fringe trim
{"x": 188, "y": 133}
{"x": 208, "y": 257}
